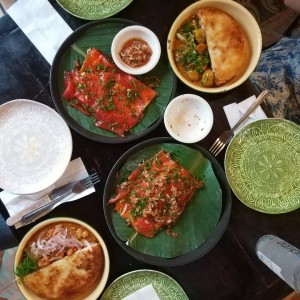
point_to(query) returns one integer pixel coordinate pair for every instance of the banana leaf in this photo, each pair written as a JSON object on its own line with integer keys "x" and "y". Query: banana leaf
{"x": 100, "y": 37}
{"x": 197, "y": 221}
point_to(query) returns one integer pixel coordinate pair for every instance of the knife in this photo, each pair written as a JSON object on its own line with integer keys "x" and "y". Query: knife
{"x": 53, "y": 195}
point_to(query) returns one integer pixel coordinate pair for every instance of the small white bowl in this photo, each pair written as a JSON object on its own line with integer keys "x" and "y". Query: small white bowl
{"x": 140, "y": 32}
{"x": 188, "y": 118}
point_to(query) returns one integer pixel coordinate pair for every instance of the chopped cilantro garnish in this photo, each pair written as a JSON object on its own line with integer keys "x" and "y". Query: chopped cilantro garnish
{"x": 27, "y": 266}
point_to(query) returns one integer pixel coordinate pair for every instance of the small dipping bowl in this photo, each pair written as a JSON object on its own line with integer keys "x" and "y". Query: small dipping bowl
{"x": 188, "y": 118}
{"x": 138, "y": 32}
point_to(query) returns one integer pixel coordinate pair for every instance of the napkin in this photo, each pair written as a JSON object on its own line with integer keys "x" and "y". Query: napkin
{"x": 146, "y": 293}
{"x": 25, "y": 203}
{"x": 40, "y": 22}
{"x": 235, "y": 111}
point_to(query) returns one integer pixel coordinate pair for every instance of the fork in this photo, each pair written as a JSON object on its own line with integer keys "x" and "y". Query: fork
{"x": 77, "y": 188}
{"x": 226, "y": 136}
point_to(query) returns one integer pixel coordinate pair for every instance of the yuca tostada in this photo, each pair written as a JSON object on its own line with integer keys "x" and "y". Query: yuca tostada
{"x": 155, "y": 194}
{"x": 227, "y": 44}
{"x": 99, "y": 89}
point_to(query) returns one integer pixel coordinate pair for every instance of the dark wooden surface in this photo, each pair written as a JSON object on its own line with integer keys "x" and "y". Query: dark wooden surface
{"x": 231, "y": 269}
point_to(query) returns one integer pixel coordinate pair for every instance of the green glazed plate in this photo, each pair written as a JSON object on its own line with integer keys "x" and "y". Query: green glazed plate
{"x": 262, "y": 164}
{"x": 93, "y": 9}
{"x": 165, "y": 286}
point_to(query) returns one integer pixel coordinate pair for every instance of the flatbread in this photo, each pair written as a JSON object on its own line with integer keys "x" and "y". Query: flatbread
{"x": 227, "y": 44}
{"x": 72, "y": 277}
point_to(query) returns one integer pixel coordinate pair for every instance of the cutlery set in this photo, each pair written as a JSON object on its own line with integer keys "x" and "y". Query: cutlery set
{"x": 56, "y": 196}
{"x": 226, "y": 136}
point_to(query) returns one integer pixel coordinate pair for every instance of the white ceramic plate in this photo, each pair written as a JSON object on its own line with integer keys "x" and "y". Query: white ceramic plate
{"x": 35, "y": 146}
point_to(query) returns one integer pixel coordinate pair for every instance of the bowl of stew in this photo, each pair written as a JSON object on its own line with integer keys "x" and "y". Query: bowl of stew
{"x": 136, "y": 50}
{"x": 214, "y": 45}
{"x": 58, "y": 252}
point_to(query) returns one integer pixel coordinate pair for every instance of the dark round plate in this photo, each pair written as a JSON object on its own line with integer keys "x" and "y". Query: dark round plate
{"x": 211, "y": 240}
{"x": 99, "y": 34}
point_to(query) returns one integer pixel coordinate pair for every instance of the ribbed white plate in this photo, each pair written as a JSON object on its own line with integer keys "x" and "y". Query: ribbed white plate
{"x": 35, "y": 146}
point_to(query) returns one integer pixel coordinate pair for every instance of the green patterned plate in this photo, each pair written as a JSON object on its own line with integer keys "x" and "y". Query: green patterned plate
{"x": 93, "y": 9}
{"x": 262, "y": 164}
{"x": 165, "y": 286}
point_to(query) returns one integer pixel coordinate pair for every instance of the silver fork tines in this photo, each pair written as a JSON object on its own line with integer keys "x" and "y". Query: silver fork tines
{"x": 220, "y": 142}
{"x": 77, "y": 188}
{"x": 84, "y": 184}
{"x": 226, "y": 136}
{"x": 92, "y": 179}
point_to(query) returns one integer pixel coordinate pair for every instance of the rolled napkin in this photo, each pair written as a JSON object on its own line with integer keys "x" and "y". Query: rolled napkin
{"x": 40, "y": 22}
{"x": 146, "y": 293}
{"x": 23, "y": 204}
{"x": 235, "y": 111}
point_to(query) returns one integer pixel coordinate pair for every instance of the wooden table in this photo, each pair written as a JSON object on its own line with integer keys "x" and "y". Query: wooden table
{"x": 231, "y": 269}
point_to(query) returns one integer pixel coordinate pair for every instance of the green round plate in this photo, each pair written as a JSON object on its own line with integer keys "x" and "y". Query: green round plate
{"x": 165, "y": 286}
{"x": 93, "y": 9}
{"x": 262, "y": 164}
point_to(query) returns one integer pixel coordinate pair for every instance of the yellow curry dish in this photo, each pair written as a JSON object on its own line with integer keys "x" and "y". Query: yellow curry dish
{"x": 61, "y": 260}
{"x": 210, "y": 48}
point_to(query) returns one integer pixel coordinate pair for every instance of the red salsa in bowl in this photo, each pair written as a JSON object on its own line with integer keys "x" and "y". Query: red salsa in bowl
{"x": 136, "y": 50}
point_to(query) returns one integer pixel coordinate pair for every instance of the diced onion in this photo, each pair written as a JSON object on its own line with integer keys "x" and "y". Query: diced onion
{"x": 88, "y": 245}
{"x": 56, "y": 243}
{"x": 181, "y": 37}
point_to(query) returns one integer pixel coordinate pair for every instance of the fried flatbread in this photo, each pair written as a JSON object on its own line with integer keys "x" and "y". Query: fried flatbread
{"x": 72, "y": 277}
{"x": 227, "y": 43}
